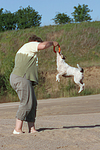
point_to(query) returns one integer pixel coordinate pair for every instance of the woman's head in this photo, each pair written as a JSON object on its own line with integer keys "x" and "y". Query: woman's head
{"x": 34, "y": 38}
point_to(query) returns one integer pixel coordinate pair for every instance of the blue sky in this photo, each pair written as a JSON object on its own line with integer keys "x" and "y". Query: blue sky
{"x": 49, "y": 8}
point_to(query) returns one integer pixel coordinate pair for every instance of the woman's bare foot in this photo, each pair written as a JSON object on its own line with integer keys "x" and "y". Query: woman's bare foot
{"x": 31, "y": 127}
{"x": 33, "y": 130}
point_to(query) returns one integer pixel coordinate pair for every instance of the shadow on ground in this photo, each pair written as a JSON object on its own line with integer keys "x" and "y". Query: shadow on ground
{"x": 68, "y": 127}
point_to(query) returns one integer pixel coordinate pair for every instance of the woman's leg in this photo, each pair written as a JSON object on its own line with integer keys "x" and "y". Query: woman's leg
{"x": 28, "y": 105}
{"x": 19, "y": 124}
{"x": 32, "y": 114}
{"x": 28, "y": 102}
{"x": 31, "y": 126}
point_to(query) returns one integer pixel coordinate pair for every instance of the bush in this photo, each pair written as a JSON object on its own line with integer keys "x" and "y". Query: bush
{"x": 5, "y": 86}
{"x": 2, "y": 85}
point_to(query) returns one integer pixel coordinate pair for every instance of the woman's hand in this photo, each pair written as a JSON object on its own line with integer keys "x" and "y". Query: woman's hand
{"x": 55, "y": 44}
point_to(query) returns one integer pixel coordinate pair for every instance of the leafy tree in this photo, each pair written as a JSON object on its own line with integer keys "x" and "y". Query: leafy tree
{"x": 27, "y": 18}
{"x": 1, "y": 12}
{"x": 23, "y": 18}
{"x": 81, "y": 13}
{"x": 61, "y": 18}
{"x": 8, "y": 21}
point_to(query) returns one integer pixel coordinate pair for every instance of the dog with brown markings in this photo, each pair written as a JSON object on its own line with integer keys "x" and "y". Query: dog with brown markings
{"x": 67, "y": 71}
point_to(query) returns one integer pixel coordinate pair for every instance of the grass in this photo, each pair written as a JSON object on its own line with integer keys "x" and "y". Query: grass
{"x": 80, "y": 43}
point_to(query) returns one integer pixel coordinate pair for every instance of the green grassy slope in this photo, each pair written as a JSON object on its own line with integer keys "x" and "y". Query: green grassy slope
{"x": 80, "y": 43}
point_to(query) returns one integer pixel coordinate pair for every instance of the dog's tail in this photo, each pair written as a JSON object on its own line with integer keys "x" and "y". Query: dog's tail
{"x": 81, "y": 69}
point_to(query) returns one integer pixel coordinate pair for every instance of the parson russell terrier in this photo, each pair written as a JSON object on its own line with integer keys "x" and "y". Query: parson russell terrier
{"x": 67, "y": 71}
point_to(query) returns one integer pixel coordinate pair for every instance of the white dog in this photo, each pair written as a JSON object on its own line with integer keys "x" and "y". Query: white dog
{"x": 67, "y": 71}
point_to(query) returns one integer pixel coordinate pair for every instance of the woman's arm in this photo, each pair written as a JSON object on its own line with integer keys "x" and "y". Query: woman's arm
{"x": 47, "y": 44}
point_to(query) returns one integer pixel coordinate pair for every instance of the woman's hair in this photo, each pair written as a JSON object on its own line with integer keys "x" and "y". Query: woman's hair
{"x": 34, "y": 38}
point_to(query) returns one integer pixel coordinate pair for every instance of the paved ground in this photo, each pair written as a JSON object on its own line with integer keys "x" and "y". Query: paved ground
{"x": 64, "y": 123}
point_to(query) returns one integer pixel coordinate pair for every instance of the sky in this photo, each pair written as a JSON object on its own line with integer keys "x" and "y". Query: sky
{"x": 49, "y": 8}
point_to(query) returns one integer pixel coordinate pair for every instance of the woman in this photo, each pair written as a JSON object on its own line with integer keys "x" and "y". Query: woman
{"x": 23, "y": 76}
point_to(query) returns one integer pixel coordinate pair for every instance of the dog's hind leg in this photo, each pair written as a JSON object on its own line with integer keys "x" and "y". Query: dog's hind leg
{"x": 80, "y": 84}
{"x": 81, "y": 87}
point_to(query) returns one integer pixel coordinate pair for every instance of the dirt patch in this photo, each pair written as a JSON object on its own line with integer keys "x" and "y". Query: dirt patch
{"x": 92, "y": 77}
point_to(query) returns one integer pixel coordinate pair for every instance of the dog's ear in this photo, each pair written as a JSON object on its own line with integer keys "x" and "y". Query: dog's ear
{"x": 62, "y": 57}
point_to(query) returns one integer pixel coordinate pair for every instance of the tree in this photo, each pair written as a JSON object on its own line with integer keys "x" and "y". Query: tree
{"x": 27, "y": 18}
{"x": 8, "y": 21}
{"x": 81, "y": 13}
{"x": 23, "y": 18}
{"x": 61, "y": 18}
{"x": 1, "y": 12}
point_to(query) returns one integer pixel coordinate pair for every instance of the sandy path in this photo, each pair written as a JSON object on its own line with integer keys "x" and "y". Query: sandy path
{"x": 64, "y": 123}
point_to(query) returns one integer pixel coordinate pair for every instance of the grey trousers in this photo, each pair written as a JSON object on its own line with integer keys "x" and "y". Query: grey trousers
{"x": 28, "y": 101}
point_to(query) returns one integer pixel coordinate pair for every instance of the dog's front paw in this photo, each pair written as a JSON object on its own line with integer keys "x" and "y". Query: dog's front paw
{"x": 57, "y": 79}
